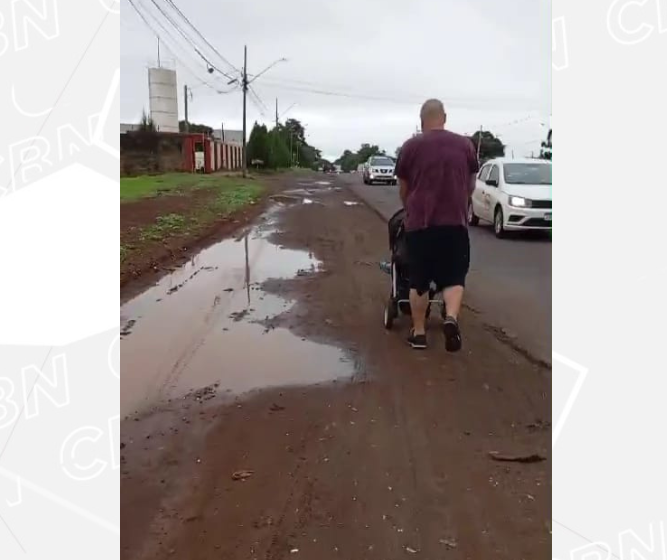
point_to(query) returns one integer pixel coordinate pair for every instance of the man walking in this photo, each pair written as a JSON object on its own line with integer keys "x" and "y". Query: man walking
{"x": 437, "y": 171}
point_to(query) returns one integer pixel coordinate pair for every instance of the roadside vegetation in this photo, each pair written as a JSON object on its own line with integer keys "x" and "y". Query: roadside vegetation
{"x": 161, "y": 208}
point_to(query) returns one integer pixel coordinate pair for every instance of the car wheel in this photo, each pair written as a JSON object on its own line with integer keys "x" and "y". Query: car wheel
{"x": 499, "y": 223}
{"x": 473, "y": 220}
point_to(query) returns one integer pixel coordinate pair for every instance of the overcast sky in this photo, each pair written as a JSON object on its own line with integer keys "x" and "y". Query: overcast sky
{"x": 376, "y": 60}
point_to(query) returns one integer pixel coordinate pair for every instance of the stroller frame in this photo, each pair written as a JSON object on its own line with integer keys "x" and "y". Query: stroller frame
{"x": 399, "y": 302}
{"x": 393, "y": 307}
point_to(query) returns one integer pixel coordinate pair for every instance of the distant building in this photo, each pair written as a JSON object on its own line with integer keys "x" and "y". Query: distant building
{"x": 162, "y": 152}
{"x": 231, "y": 136}
{"x": 163, "y": 99}
{"x": 125, "y": 127}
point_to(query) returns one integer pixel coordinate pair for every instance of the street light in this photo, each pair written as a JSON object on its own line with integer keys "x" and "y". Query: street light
{"x": 267, "y": 69}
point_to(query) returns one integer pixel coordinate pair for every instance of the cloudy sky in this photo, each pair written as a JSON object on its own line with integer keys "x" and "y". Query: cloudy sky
{"x": 356, "y": 70}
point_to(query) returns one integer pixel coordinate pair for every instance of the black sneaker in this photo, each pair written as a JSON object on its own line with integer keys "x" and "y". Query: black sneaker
{"x": 452, "y": 332}
{"x": 417, "y": 341}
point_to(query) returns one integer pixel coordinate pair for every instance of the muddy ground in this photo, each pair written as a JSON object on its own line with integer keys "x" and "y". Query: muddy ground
{"x": 264, "y": 359}
{"x": 150, "y": 260}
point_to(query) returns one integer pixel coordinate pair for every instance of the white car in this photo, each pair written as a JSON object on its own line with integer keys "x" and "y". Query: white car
{"x": 513, "y": 194}
{"x": 379, "y": 169}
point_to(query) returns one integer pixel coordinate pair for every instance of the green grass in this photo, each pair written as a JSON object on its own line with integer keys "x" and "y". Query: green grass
{"x": 165, "y": 226}
{"x": 230, "y": 194}
{"x": 134, "y": 188}
{"x": 239, "y": 194}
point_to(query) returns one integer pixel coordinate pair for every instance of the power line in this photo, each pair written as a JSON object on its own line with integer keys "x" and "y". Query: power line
{"x": 413, "y": 100}
{"x": 189, "y": 40}
{"x": 171, "y": 48}
{"x": 257, "y": 101}
{"x": 171, "y": 2}
{"x": 264, "y": 105}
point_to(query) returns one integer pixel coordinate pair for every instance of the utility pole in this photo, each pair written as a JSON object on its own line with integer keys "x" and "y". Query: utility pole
{"x": 276, "y": 112}
{"x": 158, "y": 52}
{"x": 479, "y": 142}
{"x": 185, "y": 96}
{"x": 291, "y": 152}
{"x": 245, "y": 94}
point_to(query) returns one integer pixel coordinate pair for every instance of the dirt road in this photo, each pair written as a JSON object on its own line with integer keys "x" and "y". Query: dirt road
{"x": 270, "y": 415}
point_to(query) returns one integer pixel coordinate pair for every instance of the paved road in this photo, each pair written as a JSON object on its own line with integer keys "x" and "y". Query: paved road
{"x": 509, "y": 281}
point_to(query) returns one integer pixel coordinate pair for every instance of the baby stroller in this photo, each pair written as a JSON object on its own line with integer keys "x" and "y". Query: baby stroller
{"x": 398, "y": 270}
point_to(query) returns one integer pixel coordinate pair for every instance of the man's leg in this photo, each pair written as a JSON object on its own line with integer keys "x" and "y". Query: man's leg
{"x": 418, "y": 306}
{"x": 419, "y": 282}
{"x": 453, "y": 298}
{"x": 452, "y": 274}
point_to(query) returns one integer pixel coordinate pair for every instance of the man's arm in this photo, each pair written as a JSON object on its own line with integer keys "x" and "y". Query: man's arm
{"x": 403, "y": 190}
{"x": 402, "y": 171}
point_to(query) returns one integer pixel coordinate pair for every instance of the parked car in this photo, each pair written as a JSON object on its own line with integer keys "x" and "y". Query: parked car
{"x": 513, "y": 194}
{"x": 379, "y": 169}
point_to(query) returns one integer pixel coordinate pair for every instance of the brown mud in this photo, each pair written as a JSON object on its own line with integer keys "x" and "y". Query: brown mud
{"x": 270, "y": 415}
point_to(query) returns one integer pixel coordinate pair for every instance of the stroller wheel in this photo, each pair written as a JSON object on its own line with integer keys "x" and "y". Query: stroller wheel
{"x": 390, "y": 313}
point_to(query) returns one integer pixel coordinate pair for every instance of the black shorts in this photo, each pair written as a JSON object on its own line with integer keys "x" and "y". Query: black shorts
{"x": 439, "y": 254}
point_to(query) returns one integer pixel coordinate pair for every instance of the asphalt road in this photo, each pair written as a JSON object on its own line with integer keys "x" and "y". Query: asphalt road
{"x": 510, "y": 279}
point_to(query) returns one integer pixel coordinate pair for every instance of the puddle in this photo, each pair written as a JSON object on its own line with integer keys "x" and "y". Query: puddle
{"x": 285, "y": 199}
{"x": 350, "y": 203}
{"x": 206, "y": 324}
{"x": 289, "y": 197}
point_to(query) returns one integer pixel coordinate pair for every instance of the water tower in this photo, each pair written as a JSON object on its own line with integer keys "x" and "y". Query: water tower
{"x": 162, "y": 92}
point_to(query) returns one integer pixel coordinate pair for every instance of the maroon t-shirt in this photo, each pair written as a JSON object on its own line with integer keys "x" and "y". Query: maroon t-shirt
{"x": 436, "y": 166}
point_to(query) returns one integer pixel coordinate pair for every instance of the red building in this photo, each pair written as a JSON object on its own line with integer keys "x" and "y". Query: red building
{"x": 208, "y": 154}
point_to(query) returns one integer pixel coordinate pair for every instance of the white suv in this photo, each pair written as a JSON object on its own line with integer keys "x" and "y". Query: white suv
{"x": 379, "y": 169}
{"x": 513, "y": 194}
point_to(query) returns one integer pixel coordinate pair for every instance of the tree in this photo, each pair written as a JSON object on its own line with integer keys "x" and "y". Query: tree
{"x": 194, "y": 127}
{"x": 546, "y": 151}
{"x": 258, "y": 145}
{"x": 297, "y": 130}
{"x": 146, "y": 123}
{"x": 279, "y": 154}
{"x": 348, "y": 161}
{"x": 368, "y": 150}
{"x": 489, "y": 145}
{"x": 307, "y": 155}
{"x": 351, "y": 160}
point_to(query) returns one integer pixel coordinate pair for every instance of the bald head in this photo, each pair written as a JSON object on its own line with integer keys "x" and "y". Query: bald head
{"x": 432, "y": 115}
